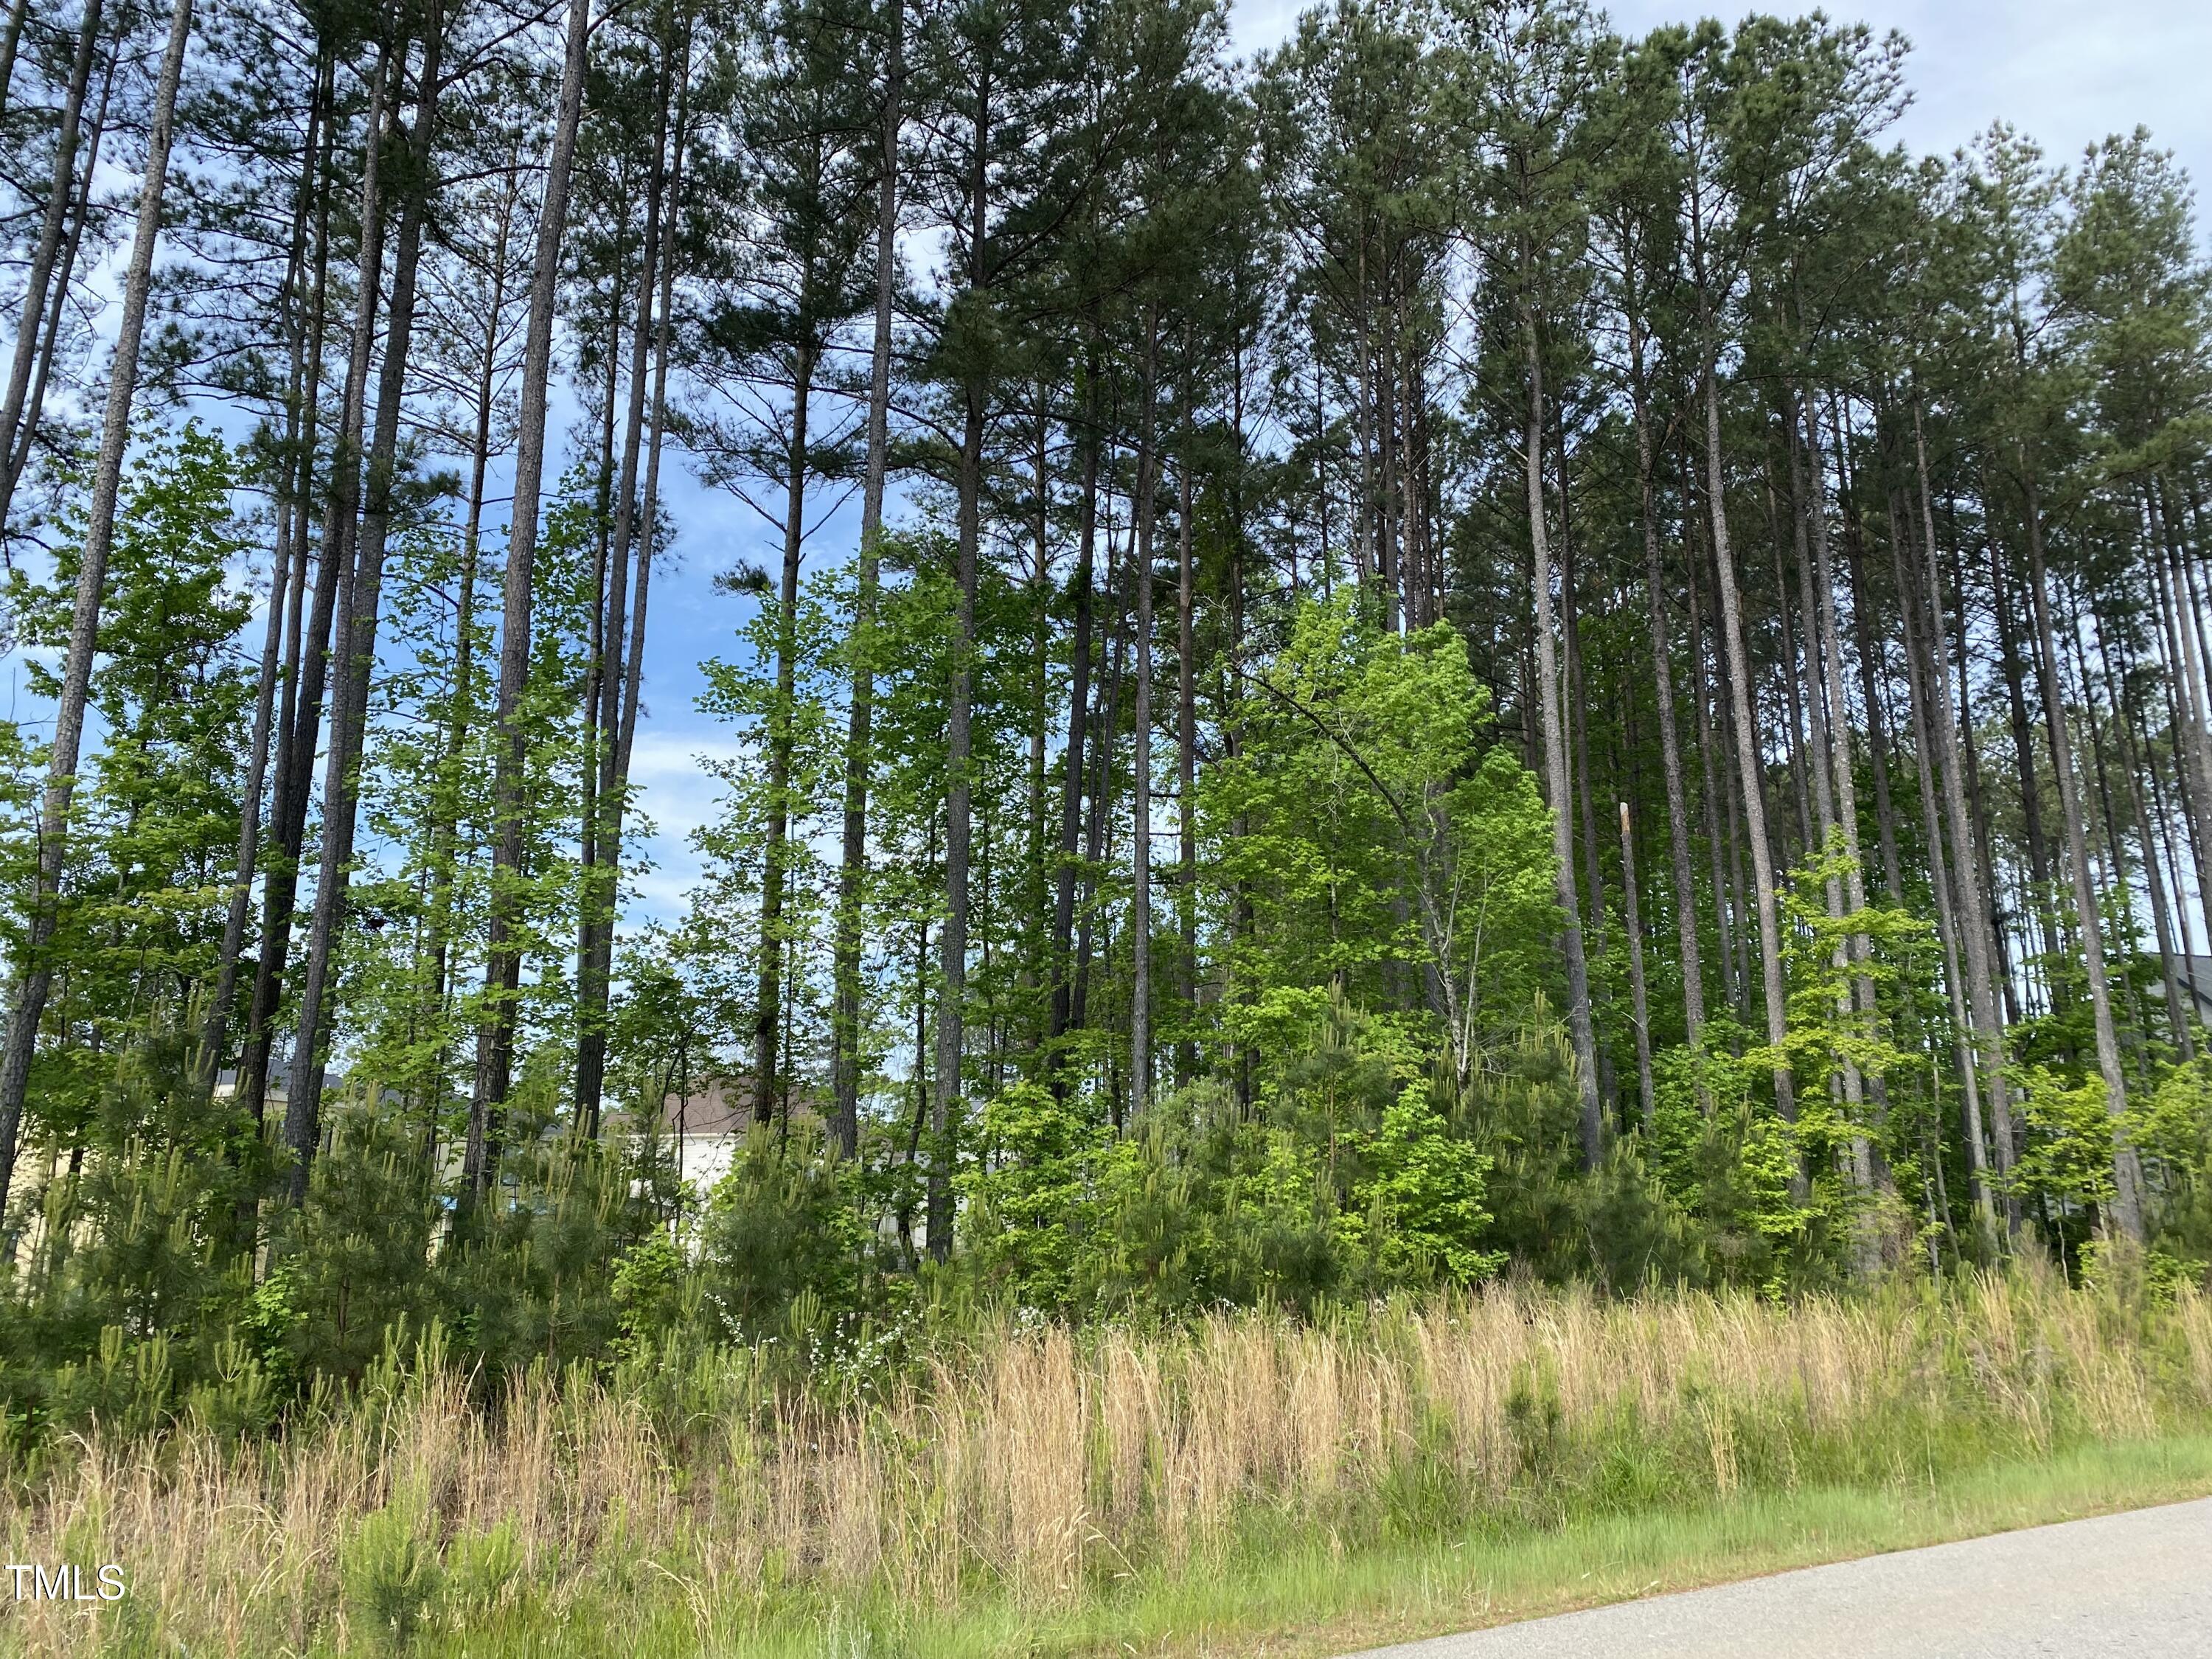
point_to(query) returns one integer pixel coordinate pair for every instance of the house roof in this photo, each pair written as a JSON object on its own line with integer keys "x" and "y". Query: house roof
{"x": 720, "y": 1106}
{"x": 2194, "y": 975}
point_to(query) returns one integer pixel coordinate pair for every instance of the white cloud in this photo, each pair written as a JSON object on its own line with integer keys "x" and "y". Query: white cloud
{"x": 679, "y": 794}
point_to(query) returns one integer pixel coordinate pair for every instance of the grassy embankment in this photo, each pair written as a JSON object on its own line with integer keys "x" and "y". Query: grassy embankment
{"x": 1247, "y": 1486}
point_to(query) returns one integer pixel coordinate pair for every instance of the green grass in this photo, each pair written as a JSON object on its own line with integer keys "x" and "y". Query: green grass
{"x": 1310, "y": 1600}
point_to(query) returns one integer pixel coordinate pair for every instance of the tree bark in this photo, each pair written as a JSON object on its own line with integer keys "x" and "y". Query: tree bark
{"x": 300, "y": 712}
{"x": 602, "y": 883}
{"x": 2127, "y": 1172}
{"x": 17, "y": 459}
{"x": 1750, "y": 770}
{"x": 1186, "y": 741}
{"x": 1102, "y": 783}
{"x": 1036, "y": 880}
{"x": 1577, "y": 710}
{"x": 1966, "y": 1027}
{"x": 2031, "y": 795}
{"x": 1973, "y": 921}
{"x": 1559, "y": 789}
{"x": 2124, "y": 718}
{"x": 1872, "y": 665}
{"x": 9, "y": 40}
{"x": 1144, "y": 512}
{"x": 1710, "y": 795}
{"x": 1631, "y": 921}
{"x": 2169, "y": 577}
{"x": 445, "y": 833}
{"x": 1977, "y": 807}
{"x": 648, "y": 509}
{"x": 357, "y": 634}
{"x": 959, "y": 805}
{"x": 47, "y": 250}
{"x": 214, "y": 1028}
{"x": 1965, "y": 855}
{"x": 503, "y": 963}
{"x": 2188, "y": 612}
{"x": 1075, "y": 753}
{"x": 860, "y": 759}
{"x": 2114, "y": 849}
{"x": 797, "y": 464}
{"x": 1670, "y": 748}
{"x": 1794, "y": 680}
{"x": 1838, "y": 722}
{"x": 289, "y": 549}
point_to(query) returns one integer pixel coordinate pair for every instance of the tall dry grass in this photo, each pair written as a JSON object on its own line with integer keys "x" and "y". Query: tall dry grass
{"x": 1042, "y": 1464}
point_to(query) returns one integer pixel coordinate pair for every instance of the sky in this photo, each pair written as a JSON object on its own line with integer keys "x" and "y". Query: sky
{"x": 2064, "y": 72}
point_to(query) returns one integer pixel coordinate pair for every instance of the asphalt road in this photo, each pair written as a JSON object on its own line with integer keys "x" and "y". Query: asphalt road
{"x": 2133, "y": 1586}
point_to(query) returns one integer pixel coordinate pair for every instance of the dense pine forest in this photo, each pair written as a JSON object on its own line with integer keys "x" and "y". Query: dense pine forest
{"x": 1471, "y": 650}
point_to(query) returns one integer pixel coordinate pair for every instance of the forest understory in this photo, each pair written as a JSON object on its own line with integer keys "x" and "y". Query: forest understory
{"x": 1243, "y": 1480}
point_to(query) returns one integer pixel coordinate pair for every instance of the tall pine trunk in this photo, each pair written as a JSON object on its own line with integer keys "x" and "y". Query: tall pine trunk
{"x": 948, "y": 1092}
{"x": 289, "y": 552}
{"x": 1751, "y": 770}
{"x": 860, "y": 760}
{"x": 1873, "y": 662}
{"x": 601, "y": 894}
{"x": 1927, "y": 717}
{"x": 11, "y": 38}
{"x": 299, "y": 713}
{"x": 2125, "y": 716}
{"x": 2031, "y": 793}
{"x": 1633, "y": 924}
{"x": 1107, "y": 725}
{"x": 1186, "y": 741}
{"x": 1662, "y": 670}
{"x": 1144, "y": 512}
{"x": 16, "y": 460}
{"x": 2127, "y": 1172}
{"x": 1075, "y": 752}
{"x": 768, "y": 1006}
{"x": 1829, "y": 637}
{"x": 1558, "y": 790}
{"x": 444, "y": 832}
{"x": 1701, "y": 702}
{"x": 45, "y": 252}
{"x": 2193, "y": 739}
{"x": 503, "y": 963}
{"x": 1966, "y": 884}
{"x": 355, "y": 638}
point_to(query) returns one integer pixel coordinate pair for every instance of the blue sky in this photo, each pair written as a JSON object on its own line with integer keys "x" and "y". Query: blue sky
{"x": 2064, "y": 73}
